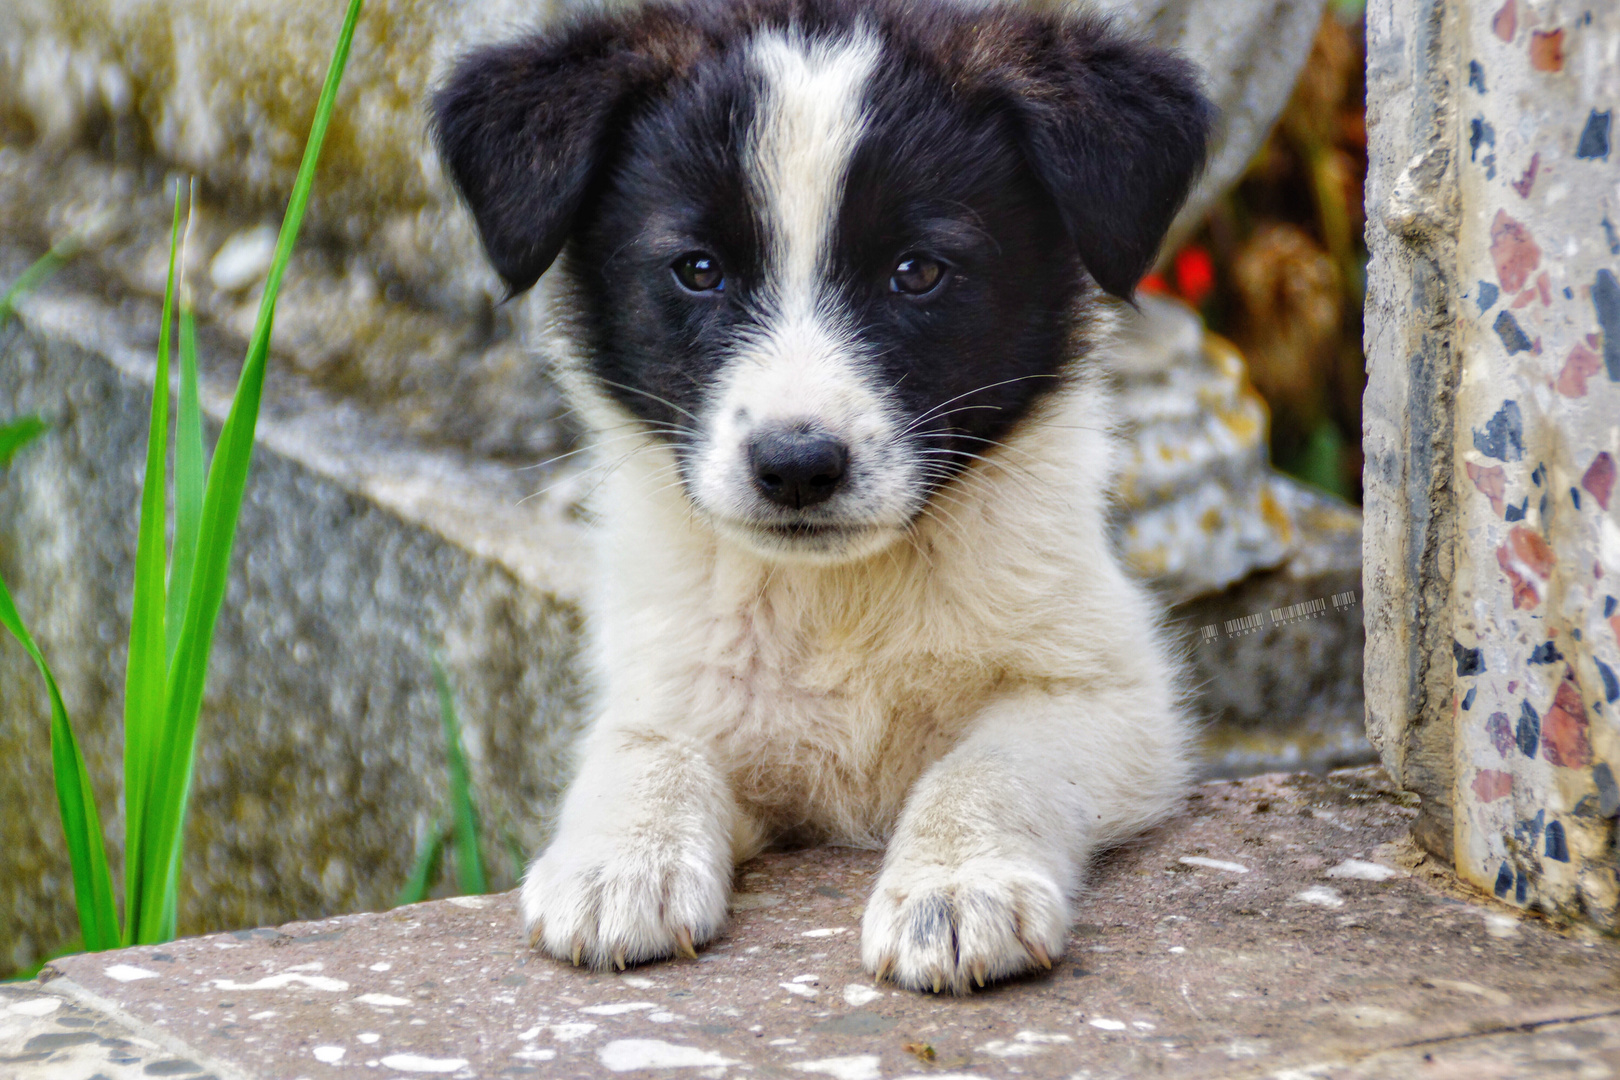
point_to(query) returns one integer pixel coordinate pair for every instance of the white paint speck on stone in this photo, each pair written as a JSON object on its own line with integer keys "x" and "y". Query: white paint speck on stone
{"x": 416, "y": 1063}
{"x": 1361, "y": 870}
{"x": 627, "y": 1055}
{"x": 856, "y": 995}
{"x": 617, "y": 1008}
{"x": 40, "y": 1006}
{"x": 800, "y": 989}
{"x": 1501, "y": 926}
{"x": 329, "y": 1055}
{"x": 1178, "y": 949}
{"x": 1106, "y": 1024}
{"x": 265, "y": 1015}
{"x": 661, "y": 1017}
{"x": 530, "y": 1035}
{"x": 1213, "y": 864}
{"x": 1322, "y": 896}
{"x": 284, "y": 980}
{"x": 382, "y": 1001}
{"x": 1141, "y": 1025}
{"x": 781, "y": 1042}
{"x": 830, "y": 931}
{"x": 368, "y": 1037}
{"x": 854, "y": 1067}
{"x": 535, "y": 1055}
{"x": 472, "y": 903}
{"x": 570, "y": 1032}
{"x": 382, "y": 966}
{"x": 637, "y": 982}
{"x": 127, "y": 973}
{"x": 1024, "y": 1044}
{"x": 804, "y": 978}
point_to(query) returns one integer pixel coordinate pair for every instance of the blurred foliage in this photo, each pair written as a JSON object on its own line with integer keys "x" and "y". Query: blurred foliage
{"x": 1279, "y": 266}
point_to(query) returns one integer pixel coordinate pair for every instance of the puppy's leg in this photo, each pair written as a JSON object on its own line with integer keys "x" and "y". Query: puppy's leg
{"x": 640, "y": 867}
{"x": 978, "y": 877}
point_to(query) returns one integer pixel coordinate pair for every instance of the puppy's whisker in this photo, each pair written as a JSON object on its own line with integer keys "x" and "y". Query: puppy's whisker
{"x": 650, "y": 395}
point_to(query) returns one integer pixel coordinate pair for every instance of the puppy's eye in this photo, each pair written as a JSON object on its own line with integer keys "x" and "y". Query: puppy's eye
{"x": 698, "y": 271}
{"x": 916, "y": 275}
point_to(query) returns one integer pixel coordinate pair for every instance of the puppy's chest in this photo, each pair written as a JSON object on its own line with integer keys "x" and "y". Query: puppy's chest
{"x": 815, "y": 720}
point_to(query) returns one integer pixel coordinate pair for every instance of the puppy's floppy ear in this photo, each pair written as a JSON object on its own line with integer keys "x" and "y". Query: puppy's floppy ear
{"x": 1116, "y": 130}
{"x": 522, "y": 127}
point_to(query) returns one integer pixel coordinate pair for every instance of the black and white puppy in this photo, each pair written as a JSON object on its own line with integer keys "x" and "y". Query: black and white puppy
{"x": 831, "y": 281}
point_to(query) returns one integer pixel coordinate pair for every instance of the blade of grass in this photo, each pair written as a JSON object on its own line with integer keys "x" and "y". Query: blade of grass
{"x": 76, "y": 800}
{"x": 469, "y": 862}
{"x": 146, "y": 671}
{"x": 427, "y": 861}
{"x": 164, "y": 813}
{"x": 189, "y": 466}
{"x": 33, "y": 277}
{"x": 18, "y": 434}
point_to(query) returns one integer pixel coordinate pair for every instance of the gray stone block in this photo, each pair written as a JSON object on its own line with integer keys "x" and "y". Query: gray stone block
{"x": 321, "y": 760}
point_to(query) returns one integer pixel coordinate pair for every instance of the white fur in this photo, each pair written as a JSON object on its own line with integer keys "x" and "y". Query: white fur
{"x": 982, "y": 690}
{"x": 802, "y": 365}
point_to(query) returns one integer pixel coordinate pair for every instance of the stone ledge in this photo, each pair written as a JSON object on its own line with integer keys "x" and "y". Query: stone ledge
{"x": 1237, "y": 941}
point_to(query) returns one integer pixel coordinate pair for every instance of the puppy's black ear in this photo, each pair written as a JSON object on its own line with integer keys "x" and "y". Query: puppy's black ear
{"x": 1115, "y": 129}
{"x": 522, "y": 127}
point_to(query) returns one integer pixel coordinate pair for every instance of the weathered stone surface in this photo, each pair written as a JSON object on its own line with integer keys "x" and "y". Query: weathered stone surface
{"x": 359, "y": 555}
{"x": 1493, "y": 539}
{"x": 1282, "y": 928}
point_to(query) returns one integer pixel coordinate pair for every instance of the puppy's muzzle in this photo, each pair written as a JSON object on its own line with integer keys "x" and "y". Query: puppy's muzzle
{"x": 797, "y": 467}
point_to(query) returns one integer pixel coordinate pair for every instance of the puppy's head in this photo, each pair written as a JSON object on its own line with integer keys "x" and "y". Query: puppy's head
{"x": 831, "y": 251}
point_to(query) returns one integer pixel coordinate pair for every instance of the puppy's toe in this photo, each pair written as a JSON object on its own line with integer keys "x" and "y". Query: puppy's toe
{"x": 938, "y": 928}
{"x": 608, "y": 904}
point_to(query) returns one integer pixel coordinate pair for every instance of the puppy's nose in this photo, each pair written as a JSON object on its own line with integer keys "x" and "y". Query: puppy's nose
{"x": 797, "y": 468}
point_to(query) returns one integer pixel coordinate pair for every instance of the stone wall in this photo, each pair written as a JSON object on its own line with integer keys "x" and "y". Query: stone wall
{"x": 1493, "y": 426}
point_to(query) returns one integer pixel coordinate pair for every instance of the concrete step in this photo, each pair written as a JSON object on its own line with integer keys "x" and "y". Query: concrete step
{"x": 1283, "y": 927}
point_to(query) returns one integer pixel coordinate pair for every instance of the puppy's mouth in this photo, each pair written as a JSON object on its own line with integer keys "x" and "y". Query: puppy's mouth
{"x": 821, "y": 542}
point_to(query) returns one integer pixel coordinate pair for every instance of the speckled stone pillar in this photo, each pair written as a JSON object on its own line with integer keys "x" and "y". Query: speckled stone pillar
{"x": 1493, "y": 424}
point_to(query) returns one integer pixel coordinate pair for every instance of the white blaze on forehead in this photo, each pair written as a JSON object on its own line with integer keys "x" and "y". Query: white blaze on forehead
{"x": 809, "y": 121}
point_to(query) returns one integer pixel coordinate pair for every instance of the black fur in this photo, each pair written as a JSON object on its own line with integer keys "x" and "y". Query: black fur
{"x": 1028, "y": 151}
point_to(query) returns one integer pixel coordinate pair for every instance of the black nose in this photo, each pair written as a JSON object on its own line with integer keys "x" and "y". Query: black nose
{"x": 797, "y": 468}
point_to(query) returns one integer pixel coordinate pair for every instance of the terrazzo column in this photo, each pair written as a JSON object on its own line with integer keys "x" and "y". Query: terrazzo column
{"x": 1492, "y": 543}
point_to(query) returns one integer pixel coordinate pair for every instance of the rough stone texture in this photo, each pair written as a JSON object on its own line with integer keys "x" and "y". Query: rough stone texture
{"x": 359, "y": 555}
{"x": 1240, "y": 941}
{"x": 390, "y": 301}
{"x": 1493, "y": 530}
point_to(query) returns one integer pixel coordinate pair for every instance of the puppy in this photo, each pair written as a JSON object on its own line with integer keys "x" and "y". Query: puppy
{"x": 831, "y": 278}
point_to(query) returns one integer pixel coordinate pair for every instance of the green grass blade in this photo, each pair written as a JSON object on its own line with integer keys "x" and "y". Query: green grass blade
{"x": 146, "y": 673}
{"x": 164, "y": 814}
{"x": 427, "y": 861}
{"x": 469, "y": 861}
{"x": 81, "y": 821}
{"x": 189, "y": 464}
{"x": 18, "y": 434}
{"x": 36, "y": 274}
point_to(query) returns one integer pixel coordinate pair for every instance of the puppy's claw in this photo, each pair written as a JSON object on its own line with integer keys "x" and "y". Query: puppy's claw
{"x": 979, "y": 971}
{"x": 536, "y": 932}
{"x": 618, "y": 958}
{"x": 884, "y": 968}
{"x": 1038, "y": 952}
{"x": 938, "y": 982}
{"x": 579, "y": 950}
{"x": 683, "y": 943}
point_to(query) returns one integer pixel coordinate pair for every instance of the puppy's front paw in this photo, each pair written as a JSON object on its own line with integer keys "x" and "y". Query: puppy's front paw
{"x": 930, "y": 927}
{"x": 600, "y": 900}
